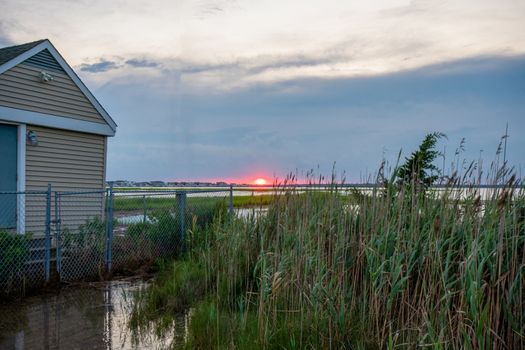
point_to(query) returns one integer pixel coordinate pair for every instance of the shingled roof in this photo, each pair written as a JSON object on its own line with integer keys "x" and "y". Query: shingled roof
{"x": 8, "y": 53}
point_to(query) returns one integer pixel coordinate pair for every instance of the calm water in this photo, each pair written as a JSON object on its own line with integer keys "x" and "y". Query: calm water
{"x": 241, "y": 212}
{"x": 94, "y": 317}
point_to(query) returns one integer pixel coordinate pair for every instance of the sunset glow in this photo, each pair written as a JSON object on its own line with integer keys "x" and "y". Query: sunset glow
{"x": 260, "y": 182}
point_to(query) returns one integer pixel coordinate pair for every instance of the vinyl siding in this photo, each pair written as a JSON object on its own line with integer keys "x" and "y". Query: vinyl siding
{"x": 20, "y": 88}
{"x": 69, "y": 161}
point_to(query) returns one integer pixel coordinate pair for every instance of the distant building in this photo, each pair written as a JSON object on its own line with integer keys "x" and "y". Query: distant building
{"x": 122, "y": 183}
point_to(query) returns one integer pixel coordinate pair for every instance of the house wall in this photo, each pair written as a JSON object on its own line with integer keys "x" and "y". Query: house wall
{"x": 20, "y": 87}
{"x": 69, "y": 161}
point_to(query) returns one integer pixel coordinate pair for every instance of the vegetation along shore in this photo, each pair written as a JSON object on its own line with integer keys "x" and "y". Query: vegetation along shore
{"x": 397, "y": 267}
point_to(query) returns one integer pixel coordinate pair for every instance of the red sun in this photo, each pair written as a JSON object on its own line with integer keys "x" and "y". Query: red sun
{"x": 260, "y": 182}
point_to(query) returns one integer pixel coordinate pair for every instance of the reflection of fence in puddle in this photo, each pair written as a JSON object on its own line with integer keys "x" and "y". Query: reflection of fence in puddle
{"x": 82, "y": 317}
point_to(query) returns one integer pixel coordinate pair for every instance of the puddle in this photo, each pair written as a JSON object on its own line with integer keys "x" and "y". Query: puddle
{"x": 81, "y": 318}
{"x": 241, "y": 212}
{"x": 133, "y": 219}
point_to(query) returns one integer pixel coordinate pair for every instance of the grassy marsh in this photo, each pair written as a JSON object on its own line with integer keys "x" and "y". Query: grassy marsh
{"x": 133, "y": 203}
{"x": 322, "y": 270}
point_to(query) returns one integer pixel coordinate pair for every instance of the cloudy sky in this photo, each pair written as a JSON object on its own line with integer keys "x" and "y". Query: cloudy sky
{"x": 235, "y": 89}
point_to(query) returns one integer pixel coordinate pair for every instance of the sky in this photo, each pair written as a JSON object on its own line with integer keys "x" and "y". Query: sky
{"x": 235, "y": 89}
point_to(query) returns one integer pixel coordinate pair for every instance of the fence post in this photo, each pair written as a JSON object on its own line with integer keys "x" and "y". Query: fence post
{"x": 109, "y": 227}
{"x": 58, "y": 237}
{"x": 145, "y": 208}
{"x": 231, "y": 199}
{"x": 181, "y": 203}
{"x": 47, "y": 258}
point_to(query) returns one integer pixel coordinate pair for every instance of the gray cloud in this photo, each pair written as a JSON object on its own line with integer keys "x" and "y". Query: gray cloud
{"x": 354, "y": 121}
{"x": 142, "y": 63}
{"x": 240, "y": 70}
{"x": 297, "y": 61}
{"x": 250, "y": 66}
{"x": 99, "y": 67}
{"x": 242, "y": 67}
{"x": 260, "y": 64}
{"x": 105, "y": 65}
{"x": 209, "y": 8}
{"x": 196, "y": 68}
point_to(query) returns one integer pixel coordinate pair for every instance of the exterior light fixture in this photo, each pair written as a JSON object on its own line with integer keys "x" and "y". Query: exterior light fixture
{"x": 32, "y": 138}
{"x": 45, "y": 77}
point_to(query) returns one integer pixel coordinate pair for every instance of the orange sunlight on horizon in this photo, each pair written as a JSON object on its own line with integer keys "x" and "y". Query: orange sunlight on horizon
{"x": 260, "y": 182}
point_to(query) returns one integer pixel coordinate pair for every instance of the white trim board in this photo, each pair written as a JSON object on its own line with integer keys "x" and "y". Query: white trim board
{"x": 27, "y": 117}
{"x": 21, "y": 178}
{"x": 69, "y": 71}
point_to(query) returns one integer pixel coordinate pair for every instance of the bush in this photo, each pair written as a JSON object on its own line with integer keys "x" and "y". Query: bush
{"x": 89, "y": 235}
{"x": 13, "y": 253}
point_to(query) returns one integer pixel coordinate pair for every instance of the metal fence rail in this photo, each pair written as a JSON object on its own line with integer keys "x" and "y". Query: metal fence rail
{"x": 57, "y": 235}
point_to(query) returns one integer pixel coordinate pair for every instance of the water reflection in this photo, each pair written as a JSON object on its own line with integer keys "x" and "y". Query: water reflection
{"x": 253, "y": 212}
{"x": 94, "y": 317}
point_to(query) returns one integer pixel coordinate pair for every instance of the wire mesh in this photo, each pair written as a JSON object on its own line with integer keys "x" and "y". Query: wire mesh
{"x": 149, "y": 225}
{"x": 81, "y": 234}
{"x": 23, "y": 239}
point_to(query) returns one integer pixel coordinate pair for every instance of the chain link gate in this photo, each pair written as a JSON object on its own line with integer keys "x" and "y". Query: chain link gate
{"x": 100, "y": 232}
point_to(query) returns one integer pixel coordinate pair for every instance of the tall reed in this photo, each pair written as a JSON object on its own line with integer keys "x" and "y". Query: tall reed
{"x": 371, "y": 269}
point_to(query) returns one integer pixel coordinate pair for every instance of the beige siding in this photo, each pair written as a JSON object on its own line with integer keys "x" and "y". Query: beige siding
{"x": 20, "y": 87}
{"x": 69, "y": 161}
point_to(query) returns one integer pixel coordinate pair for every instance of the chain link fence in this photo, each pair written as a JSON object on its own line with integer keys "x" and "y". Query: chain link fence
{"x": 85, "y": 235}
{"x": 148, "y": 225}
{"x": 80, "y": 234}
{"x": 24, "y": 258}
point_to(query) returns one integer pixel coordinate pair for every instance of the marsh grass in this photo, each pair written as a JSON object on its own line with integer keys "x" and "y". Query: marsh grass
{"x": 373, "y": 270}
{"x": 128, "y": 203}
{"x": 183, "y": 279}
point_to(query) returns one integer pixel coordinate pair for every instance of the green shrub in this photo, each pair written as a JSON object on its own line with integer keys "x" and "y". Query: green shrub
{"x": 89, "y": 235}
{"x": 13, "y": 254}
{"x": 138, "y": 231}
{"x": 163, "y": 225}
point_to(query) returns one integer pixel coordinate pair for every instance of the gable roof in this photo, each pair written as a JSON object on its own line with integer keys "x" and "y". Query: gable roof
{"x": 14, "y": 55}
{"x": 8, "y": 53}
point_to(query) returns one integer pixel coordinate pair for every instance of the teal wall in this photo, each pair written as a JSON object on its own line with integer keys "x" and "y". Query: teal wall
{"x": 8, "y": 168}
